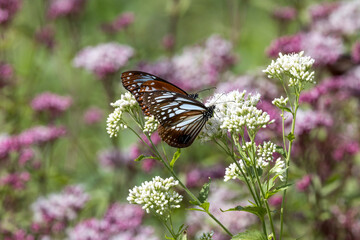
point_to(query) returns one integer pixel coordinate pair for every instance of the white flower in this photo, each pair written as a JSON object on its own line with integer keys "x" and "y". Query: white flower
{"x": 295, "y": 66}
{"x": 207, "y": 236}
{"x": 280, "y": 102}
{"x": 279, "y": 169}
{"x": 233, "y": 172}
{"x": 265, "y": 153}
{"x": 115, "y": 122}
{"x": 234, "y": 111}
{"x": 150, "y": 125}
{"x": 156, "y": 196}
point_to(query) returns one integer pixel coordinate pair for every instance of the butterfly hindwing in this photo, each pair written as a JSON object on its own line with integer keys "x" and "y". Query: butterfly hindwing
{"x": 181, "y": 118}
{"x": 138, "y": 83}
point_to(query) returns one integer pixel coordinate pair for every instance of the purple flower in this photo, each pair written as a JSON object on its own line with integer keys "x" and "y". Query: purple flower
{"x": 303, "y": 184}
{"x": 93, "y": 115}
{"x": 198, "y": 176}
{"x": 323, "y": 10}
{"x": 104, "y": 59}
{"x": 121, "y": 22}
{"x": 16, "y": 181}
{"x": 6, "y": 74}
{"x": 25, "y": 156}
{"x": 40, "y": 135}
{"x": 8, "y": 144}
{"x": 285, "y": 13}
{"x": 51, "y": 103}
{"x": 59, "y": 207}
{"x": 308, "y": 120}
{"x": 8, "y": 8}
{"x": 355, "y": 53}
{"x": 46, "y": 36}
{"x": 114, "y": 158}
{"x": 64, "y": 8}
{"x": 90, "y": 229}
{"x": 16, "y": 234}
{"x": 122, "y": 217}
{"x": 285, "y": 45}
{"x": 349, "y": 148}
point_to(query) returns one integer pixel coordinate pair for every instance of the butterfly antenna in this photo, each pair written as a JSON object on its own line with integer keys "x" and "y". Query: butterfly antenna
{"x": 206, "y": 89}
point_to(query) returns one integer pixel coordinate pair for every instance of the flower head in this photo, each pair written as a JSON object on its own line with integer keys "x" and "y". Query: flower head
{"x": 8, "y": 8}
{"x": 113, "y": 158}
{"x": 115, "y": 120}
{"x": 104, "y": 59}
{"x": 93, "y": 115}
{"x": 280, "y": 102}
{"x": 285, "y": 13}
{"x": 51, "y": 103}
{"x": 295, "y": 66}
{"x": 63, "y": 8}
{"x": 150, "y": 125}
{"x": 121, "y": 22}
{"x": 156, "y": 196}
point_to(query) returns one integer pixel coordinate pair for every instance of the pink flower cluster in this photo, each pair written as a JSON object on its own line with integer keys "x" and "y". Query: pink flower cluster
{"x": 121, "y": 22}
{"x": 114, "y": 158}
{"x": 52, "y": 213}
{"x": 121, "y": 221}
{"x": 15, "y": 181}
{"x": 6, "y": 74}
{"x": 197, "y": 66}
{"x": 285, "y": 13}
{"x": 93, "y": 115}
{"x": 51, "y": 103}
{"x": 18, "y": 234}
{"x": 346, "y": 148}
{"x": 303, "y": 184}
{"x": 197, "y": 177}
{"x": 308, "y": 120}
{"x": 104, "y": 59}
{"x": 64, "y": 8}
{"x": 8, "y": 8}
{"x": 32, "y": 136}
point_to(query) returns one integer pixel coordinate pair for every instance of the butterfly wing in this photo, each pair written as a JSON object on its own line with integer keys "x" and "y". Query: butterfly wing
{"x": 181, "y": 118}
{"x": 138, "y": 83}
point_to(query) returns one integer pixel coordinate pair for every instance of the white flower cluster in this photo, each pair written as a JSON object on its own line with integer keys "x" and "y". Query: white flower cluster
{"x": 150, "y": 125}
{"x": 234, "y": 111}
{"x": 115, "y": 122}
{"x": 265, "y": 153}
{"x": 279, "y": 169}
{"x": 280, "y": 102}
{"x": 207, "y": 236}
{"x": 156, "y": 195}
{"x": 233, "y": 172}
{"x": 295, "y": 66}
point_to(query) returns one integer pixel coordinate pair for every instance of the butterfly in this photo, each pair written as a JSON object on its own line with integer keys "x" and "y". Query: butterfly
{"x": 138, "y": 83}
{"x": 181, "y": 117}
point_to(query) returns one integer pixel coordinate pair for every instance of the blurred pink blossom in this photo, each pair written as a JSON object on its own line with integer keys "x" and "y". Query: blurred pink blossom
{"x": 59, "y": 207}
{"x": 148, "y": 164}
{"x": 303, "y": 184}
{"x": 6, "y": 74}
{"x": 285, "y": 45}
{"x": 104, "y": 59}
{"x": 8, "y": 8}
{"x": 64, "y": 8}
{"x": 275, "y": 200}
{"x": 8, "y": 144}
{"x": 285, "y": 13}
{"x": 16, "y": 181}
{"x": 93, "y": 115}
{"x": 46, "y": 36}
{"x": 197, "y": 177}
{"x": 40, "y": 135}
{"x": 114, "y": 158}
{"x": 51, "y": 103}
{"x": 349, "y": 148}
{"x": 121, "y": 22}
{"x": 322, "y": 10}
{"x": 25, "y": 156}
{"x": 168, "y": 42}
{"x": 306, "y": 120}
{"x": 355, "y": 53}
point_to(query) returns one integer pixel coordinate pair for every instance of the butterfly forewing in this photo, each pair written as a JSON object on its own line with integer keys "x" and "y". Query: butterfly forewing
{"x": 181, "y": 117}
{"x": 138, "y": 83}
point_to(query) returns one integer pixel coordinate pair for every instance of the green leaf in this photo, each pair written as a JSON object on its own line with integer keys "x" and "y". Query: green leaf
{"x": 280, "y": 150}
{"x": 175, "y": 157}
{"x": 142, "y": 157}
{"x": 250, "y": 235}
{"x": 290, "y": 137}
{"x": 205, "y": 206}
{"x": 204, "y": 192}
{"x": 278, "y": 189}
{"x": 258, "y": 211}
{"x": 286, "y": 109}
{"x": 196, "y": 209}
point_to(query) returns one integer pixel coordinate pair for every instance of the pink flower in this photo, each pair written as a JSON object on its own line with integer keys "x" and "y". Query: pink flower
{"x": 6, "y": 74}
{"x": 197, "y": 177}
{"x": 25, "y": 156}
{"x": 8, "y": 144}
{"x": 104, "y": 59}
{"x": 90, "y": 229}
{"x": 285, "y": 45}
{"x": 51, "y": 103}
{"x": 355, "y": 54}
{"x": 40, "y": 135}
{"x": 349, "y": 148}
{"x": 168, "y": 42}
{"x": 8, "y": 8}
{"x": 303, "y": 184}
{"x": 308, "y": 120}
{"x": 323, "y": 10}
{"x": 148, "y": 164}
{"x": 114, "y": 158}
{"x": 275, "y": 200}
{"x": 93, "y": 115}
{"x": 121, "y": 22}
{"x": 285, "y": 13}
{"x": 46, "y": 37}
{"x": 64, "y": 8}
{"x": 15, "y": 180}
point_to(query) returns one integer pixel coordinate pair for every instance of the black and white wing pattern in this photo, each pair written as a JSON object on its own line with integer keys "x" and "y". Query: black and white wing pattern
{"x": 138, "y": 83}
{"x": 181, "y": 118}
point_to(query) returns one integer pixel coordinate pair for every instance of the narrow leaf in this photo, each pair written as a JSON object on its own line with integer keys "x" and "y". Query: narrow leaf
{"x": 258, "y": 211}
{"x": 175, "y": 157}
{"x": 195, "y": 209}
{"x": 250, "y": 235}
{"x": 278, "y": 189}
{"x": 204, "y": 192}
{"x": 290, "y": 137}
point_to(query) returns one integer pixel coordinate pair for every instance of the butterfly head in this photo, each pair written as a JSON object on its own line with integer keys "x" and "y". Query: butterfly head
{"x": 209, "y": 112}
